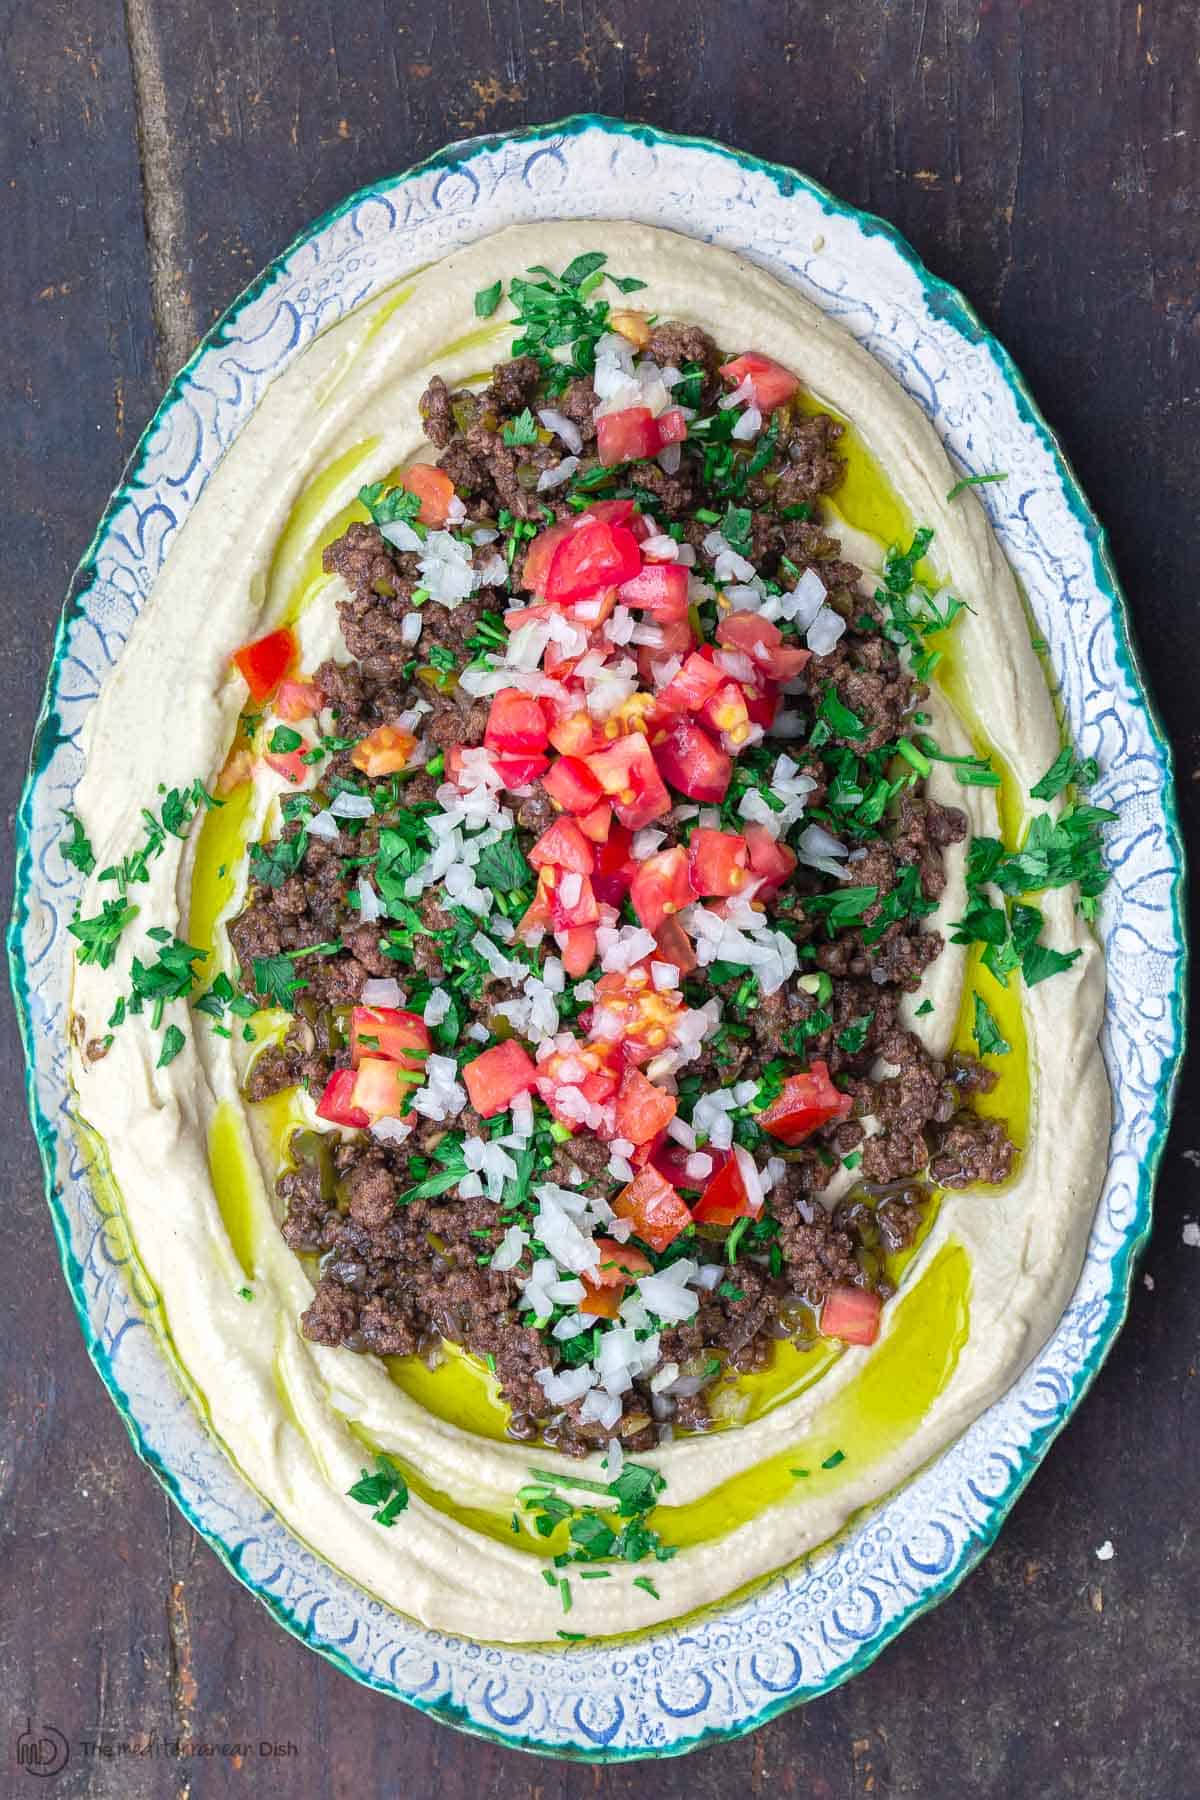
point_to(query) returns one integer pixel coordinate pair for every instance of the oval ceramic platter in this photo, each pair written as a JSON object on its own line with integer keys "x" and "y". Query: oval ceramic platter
{"x": 819, "y": 1622}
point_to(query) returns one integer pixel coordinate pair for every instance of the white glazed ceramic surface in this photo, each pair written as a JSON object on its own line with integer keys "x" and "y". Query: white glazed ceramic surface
{"x": 812, "y": 1627}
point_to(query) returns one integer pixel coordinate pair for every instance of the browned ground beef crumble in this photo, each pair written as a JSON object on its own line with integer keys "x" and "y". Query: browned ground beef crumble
{"x": 397, "y": 1279}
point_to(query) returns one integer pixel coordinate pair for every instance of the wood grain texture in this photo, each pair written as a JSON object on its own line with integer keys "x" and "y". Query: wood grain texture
{"x": 1042, "y": 157}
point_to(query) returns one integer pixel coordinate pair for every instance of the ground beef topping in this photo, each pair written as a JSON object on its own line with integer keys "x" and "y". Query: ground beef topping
{"x": 603, "y": 926}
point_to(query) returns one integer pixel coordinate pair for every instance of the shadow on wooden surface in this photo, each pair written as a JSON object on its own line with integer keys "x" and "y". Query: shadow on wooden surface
{"x": 1042, "y": 158}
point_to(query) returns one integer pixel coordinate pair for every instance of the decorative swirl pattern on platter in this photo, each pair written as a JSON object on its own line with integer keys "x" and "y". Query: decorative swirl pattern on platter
{"x": 817, "y": 1624}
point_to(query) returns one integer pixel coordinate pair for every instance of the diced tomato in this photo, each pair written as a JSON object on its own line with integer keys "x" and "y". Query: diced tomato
{"x": 571, "y": 785}
{"x": 384, "y": 752}
{"x": 762, "y": 641}
{"x": 692, "y": 686}
{"x": 564, "y": 846}
{"x": 771, "y": 861}
{"x": 628, "y": 773}
{"x": 298, "y": 700}
{"x": 672, "y": 427}
{"x": 643, "y": 1110}
{"x": 433, "y": 488}
{"x": 727, "y": 712}
{"x": 600, "y": 1302}
{"x": 337, "y": 1105}
{"x": 670, "y": 1159}
{"x": 389, "y": 1032}
{"x": 691, "y": 762}
{"x": 597, "y": 1087}
{"x": 615, "y": 867}
{"x": 238, "y": 768}
{"x": 582, "y": 910}
{"x": 577, "y": 735}
{"x": 287, "y": 764}
{"x": 675, "y": 946}
{"x": 852, "y": 1314}
{"x": 676, "y": 639}
{"x": 718, "y": 861}
{"x": 589, "y": 613}
{"x": 577, "y": 946}
{"x": 540, "y": 554}
{"x": 382, "y": 1087}
{"x": 644, "y": 1154}
{"x": 661, "y": 886}
{"x": 538, "y": 916}
{"x": 726, "y": 1196}
{"x": 772, "y": 383}
{"x": 615, "y": 512}
{"x": 657, "y": 1211}
{"x": 806, "y": 1103}
{"x": 592, "y": 556}
{"x": 662, "y": 588}
{"x": 494, "y": 1079}
{"x": 627, "y": 436}
{"x": 516, "y": 724}
{"x": 520, "y": 771}
{"x": 266, "y": 661}
{"x": 597, "y": 823}
{"x": 762, "y": 703}
{"x": 619, "y": 1264}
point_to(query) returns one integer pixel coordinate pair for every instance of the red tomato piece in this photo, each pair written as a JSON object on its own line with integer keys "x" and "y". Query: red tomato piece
{"x": 577, "y": 735}
{"x": 385, "y": 751}
{"x": 691, "y": 762}
{"x": 675, "y": 946}
{"x": 762, "y": 641}
{"x": 662, "y": 588}
{"x": 584, "y": 909}
{"x": 615, "y": 512}
{"x": 433, "y": 488}
{"x": 288, "y": 765}
{"x": 266, "y": 661}
{"x": 852, "y": 1314}
{"x": 772, "y": 383}
{"x": 643, "y": 1110}
{"x": 516, "y": 724}
{"x": 657, "y": 1211}
{"x": 597, "y": 823}
{"x": 629, "y": 775}
{"x": 600, "y": 1302}
{"x": 520, "y": 771}
{"x": 807, "y": 1102}
{"x": 661, "y": 886}
{"x": 571, "y": 785}
{"x": 692, "y": 686}
{"x": 382, "y": 1087}
{"x": 670, "y": 1159}
{"x": 771, "y": 861}
{"x": 540, "y": 554}
{"x": 627, "y": 436}
{"x": 672, "y": 427}
{"x": 726, "y": 1197}
{"x": 577, "y": 947}
{"x": 337, "y": 1104}
{"x": 298, "y": 700}
{"x": 727, "y": 712}
{"x": 494, "y": 1079}
{"x": 564, "y": 846}
{"x": 538, "y": 916}
{"x": 389, "y": 1032}
{"x": 620, "y": 1264}
{"x": 615, "y": 867}
{"x": 718, "y": 861}
{"x": 762, "y": 704}
{"x": 592, "y": 556}
{"x": 675, "y": 639}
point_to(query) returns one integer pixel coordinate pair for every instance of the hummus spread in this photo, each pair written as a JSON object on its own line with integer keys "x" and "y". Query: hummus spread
{"x": 793, "y": 1448}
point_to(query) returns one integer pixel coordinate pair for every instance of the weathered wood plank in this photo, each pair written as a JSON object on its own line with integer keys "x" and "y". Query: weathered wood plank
{"x": 1046, "y": 161}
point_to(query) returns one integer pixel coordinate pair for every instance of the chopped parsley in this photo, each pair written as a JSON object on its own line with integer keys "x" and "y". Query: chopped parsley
{"x": 1067, "y": 770}
{"x": 970, "y": 481}
{"x": 386, "y": 1491}
{"x": 388, "y": 506}
{"x": 488, "y": 299}
{"x": 987, "y": 1033}
{"x": 173, "y": 1041}
{"x": 273, "y": 864}
{"x": 853, "y": 1039}
{"x": 521, "y": 430}
{"x": 99, "y": 936}
{"x": 77, "y": 850}
{"x": 502, "y": 866}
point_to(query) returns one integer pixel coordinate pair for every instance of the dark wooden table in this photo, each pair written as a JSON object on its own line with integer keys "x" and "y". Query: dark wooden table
{"x": 1042, "y": 154}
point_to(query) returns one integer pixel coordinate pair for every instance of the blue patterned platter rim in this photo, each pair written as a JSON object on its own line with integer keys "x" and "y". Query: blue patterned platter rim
{"x": 819, "y": 1623}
